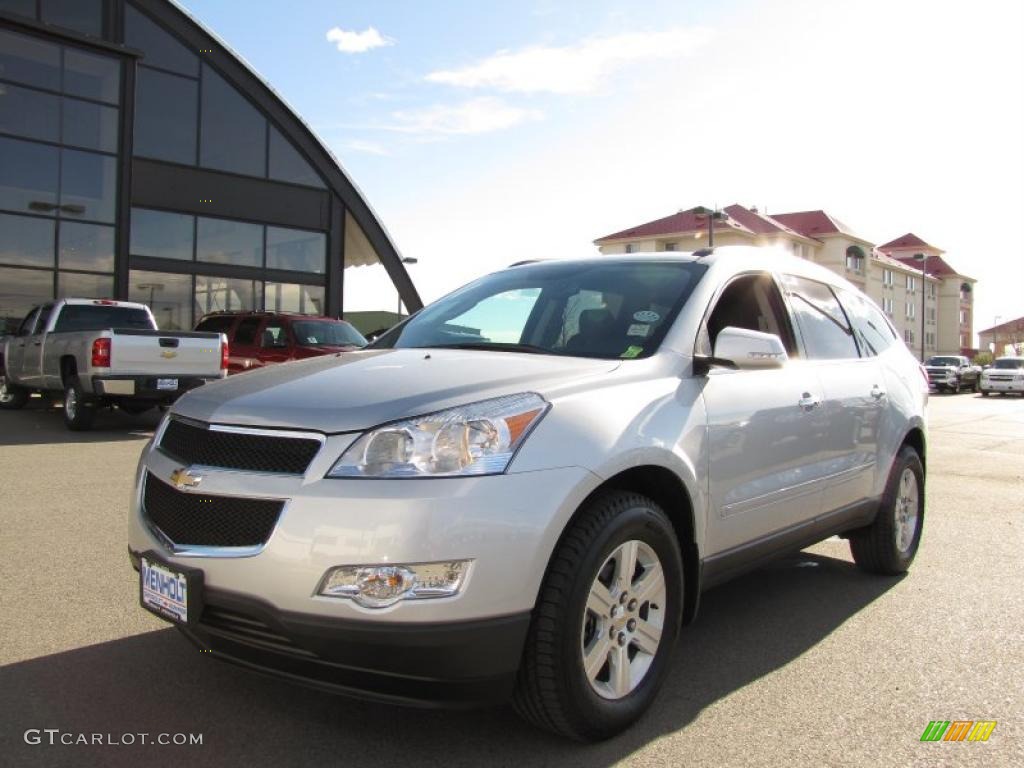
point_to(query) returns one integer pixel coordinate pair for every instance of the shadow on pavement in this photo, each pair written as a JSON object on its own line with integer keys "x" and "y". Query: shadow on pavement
{"x": 157, "y": 683}
{"x": 40, "y": 423}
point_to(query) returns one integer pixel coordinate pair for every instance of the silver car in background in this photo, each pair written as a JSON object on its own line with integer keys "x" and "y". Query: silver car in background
{"x": 521, "y": 491}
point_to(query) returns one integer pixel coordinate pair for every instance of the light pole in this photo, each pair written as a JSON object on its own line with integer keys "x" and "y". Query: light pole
{"x": 713, "y": 216}
{"x": 406, "y": 260}
{"x": 923, "y": 258}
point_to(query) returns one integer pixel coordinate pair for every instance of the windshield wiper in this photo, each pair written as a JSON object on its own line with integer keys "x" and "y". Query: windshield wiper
{"x": 494, "y": 347}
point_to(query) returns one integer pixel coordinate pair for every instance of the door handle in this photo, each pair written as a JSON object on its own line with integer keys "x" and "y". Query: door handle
{"x": 809, "y": 402}
{"x": 877, "y": 392}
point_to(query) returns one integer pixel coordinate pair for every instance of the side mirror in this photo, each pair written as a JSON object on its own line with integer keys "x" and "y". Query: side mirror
{"x": 746, "y": 349}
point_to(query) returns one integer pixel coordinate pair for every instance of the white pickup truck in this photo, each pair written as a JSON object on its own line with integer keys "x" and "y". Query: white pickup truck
{"x": 101, "y": 352}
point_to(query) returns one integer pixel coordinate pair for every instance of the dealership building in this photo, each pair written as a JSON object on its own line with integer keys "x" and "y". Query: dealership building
{"x": 140, "y": 158}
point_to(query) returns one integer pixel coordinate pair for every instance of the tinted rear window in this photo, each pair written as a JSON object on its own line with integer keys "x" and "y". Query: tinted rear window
{"x": 97, "y": 317}
{"x": 220, "y": 324}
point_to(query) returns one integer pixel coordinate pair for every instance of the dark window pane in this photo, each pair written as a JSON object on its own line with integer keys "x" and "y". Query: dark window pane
{"x": 286, "y": 164}
{"x": 229, "y": 242}
{"x": 246, "y": 331}
{"x": 160, "y": 234}
{"x": 29, "y": 60}
{"x": 90, "y": 125}
{"x": 168, "y": 296}
{"x": 288, "y": 297}
{"x": 25, "y": 112}
{"x": 827, "y": 334}
{"x": 216, "y": 324}
{"x": 234, "y": 133}
{"x": 296, "y": 249}
{"x": 86, "y": 246}
{"x": 28, "y": 176}
{"x": 85, "y": 16}
{"x": 20, "y": 290}
{"x": 21, "y": 7}
{"x": 88, "y": 185}
{"x": 26, "y": 241}
{"x": 75, "y": 286}
{"x": 165, "y": 117}
{"x": 97, "y": 317}
{"x": 161, "y": 48}
{"x": 222, "y": 294}
{"x": 92, "y": 76}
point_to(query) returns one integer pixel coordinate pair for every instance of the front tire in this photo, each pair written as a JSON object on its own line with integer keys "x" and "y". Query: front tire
{"x": 12, "y": 397}
{"x": 79, "y": 412}
{"x": 984, "y": 393}
{"x": 606, "y": 620}
{"x": 889, "y": 544}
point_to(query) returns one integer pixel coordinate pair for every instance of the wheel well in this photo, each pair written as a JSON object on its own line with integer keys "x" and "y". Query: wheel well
{"x": 915, "y": 439}
{"x": 664, "y": 487}
{"x": 68, "y": 369}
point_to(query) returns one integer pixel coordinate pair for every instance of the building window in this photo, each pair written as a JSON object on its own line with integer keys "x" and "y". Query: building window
{"x": 162, "y": 235}
{"x": 932, "y": 290}
{"x": 887, "y": 277}
{"x": 296, "y": 250}
{"x": 85, "y": 16}
{"x": 908, "y": 335}
{"x": 671, "y": 246}
{"x": 855, "y": 259}
{"x": 162, "y": 49}
{"x": 965, "y": 291}
{"x": 233, "y": 134}
{"x": 911, "y": 283}
{"x": 929, "y": 339}
{"x": 286, "y": 164}
{"x": 166, "y": 107}
{"x": 911, "y": 310}
{"x": 630, "y": 248}
{"x": 887, "y": 306}
{"x": 221, "y": 241}
{"x": 931, "y": 315}
{"x": 965, "y": 342}
{"x": 964, "y": 317}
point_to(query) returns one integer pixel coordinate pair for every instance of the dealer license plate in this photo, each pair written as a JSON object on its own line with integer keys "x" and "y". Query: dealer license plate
{"x": 164, "y": 591}
{"x": 166, "y": 383}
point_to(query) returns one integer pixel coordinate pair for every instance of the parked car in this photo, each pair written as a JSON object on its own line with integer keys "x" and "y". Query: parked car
{"x": 257, "y": 339}
{"x": 534, "y": 513}
{"x": 101, "y": 352}
{"x": 952, "y": 373}
{"x": 1005, "y": 375}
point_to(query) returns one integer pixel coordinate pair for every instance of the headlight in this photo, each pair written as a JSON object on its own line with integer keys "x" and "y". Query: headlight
{"x": 476, "y": 439}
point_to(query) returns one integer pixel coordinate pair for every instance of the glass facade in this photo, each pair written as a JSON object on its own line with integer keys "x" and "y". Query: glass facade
{"x": 164, "y": 172}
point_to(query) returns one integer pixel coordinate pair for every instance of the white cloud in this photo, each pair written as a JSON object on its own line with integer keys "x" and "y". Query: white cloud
{"x": 357, "y": 42}
{"x": 476, "y": 116}
{"x": 576, "y": 68}
{"x": 366, "y": 147}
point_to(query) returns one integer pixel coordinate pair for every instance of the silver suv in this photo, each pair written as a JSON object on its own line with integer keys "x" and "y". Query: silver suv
{"x": 521, "y": 491}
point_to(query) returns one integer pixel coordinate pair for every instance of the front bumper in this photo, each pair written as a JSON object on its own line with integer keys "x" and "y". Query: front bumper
{"x": 1002, "y": 386}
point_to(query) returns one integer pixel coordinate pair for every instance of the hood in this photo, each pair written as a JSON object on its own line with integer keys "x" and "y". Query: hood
{"x": 938, "y": 368}
{"x": 358, "y": 390}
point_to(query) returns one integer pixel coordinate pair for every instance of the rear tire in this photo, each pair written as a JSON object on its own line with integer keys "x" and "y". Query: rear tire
{"x": 79, "y": 412}
{"x": 984, "y": 393}
{"x": 606, "y": 619}
{"x": 889, "y": 544}
{"x": 12, "y": 397}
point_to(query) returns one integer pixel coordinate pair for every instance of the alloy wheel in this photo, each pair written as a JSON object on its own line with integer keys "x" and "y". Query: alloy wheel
{"x": 906, "y": 514}
{"x": 623, "y": 620}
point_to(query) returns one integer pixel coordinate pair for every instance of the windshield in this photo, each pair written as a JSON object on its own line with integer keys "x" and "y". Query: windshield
{"x": 1011, "y": 363}
{"x": 943, "y": 361}
{"x": 325, "y": 333}
{"x": 99, "y": 317}
{"x": 613, "y": 309}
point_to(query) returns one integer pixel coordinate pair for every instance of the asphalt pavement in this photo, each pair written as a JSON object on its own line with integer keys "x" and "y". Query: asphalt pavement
{"x": 805, "y": 662}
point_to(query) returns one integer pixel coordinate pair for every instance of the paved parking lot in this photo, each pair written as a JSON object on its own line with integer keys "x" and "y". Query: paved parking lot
{"x": 805, "y": 662}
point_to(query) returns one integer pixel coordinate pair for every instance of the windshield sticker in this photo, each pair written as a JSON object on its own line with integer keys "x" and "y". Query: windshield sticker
{"x": 646, "y": 316}
{"x": 638, "y": 329}
{"x": 631, "y": 352}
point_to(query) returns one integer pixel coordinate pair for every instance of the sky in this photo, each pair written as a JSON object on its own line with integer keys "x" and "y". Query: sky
{"x": 483, "y": 133}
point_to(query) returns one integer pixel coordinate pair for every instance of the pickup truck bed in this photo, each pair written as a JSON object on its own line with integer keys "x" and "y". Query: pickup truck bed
{"x": 69, "y": 347}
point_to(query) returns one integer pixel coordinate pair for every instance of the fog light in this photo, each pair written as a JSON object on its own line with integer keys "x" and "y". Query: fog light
{"x": 378, "y": 586}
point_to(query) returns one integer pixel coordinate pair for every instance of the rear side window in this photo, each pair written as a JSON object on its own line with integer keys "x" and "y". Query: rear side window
{"x": 217, "y": 324}
{"x": 874, "y": 334}
{"x": 98, "y": 317}
{"x": 246, "y": 332}
{"x": 274, "y": 335}
{"x": 823, "y": 325}
{"x": 25, "y": 329}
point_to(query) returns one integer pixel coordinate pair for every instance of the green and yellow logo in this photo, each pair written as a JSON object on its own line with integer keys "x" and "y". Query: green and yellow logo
{"x": 958, "y": 730}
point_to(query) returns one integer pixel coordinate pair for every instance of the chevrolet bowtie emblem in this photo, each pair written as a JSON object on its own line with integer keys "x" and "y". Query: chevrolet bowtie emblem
{"x": 183, "y": 478}
{"x": 168, "y": 353}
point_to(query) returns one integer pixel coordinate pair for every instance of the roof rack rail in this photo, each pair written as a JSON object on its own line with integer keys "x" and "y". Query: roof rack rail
{"x": 525, "y": 261}
{"x": 703, "y": 252}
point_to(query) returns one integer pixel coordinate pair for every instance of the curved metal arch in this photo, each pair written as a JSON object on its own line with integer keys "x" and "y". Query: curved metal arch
{"x": 243, "y": 77}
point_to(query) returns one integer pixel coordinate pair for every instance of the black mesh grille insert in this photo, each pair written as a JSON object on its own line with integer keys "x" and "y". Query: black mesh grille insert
{"x": 209, "y": 521}
{"x": 231, "y": 450}
{"x": 247, "y": 629}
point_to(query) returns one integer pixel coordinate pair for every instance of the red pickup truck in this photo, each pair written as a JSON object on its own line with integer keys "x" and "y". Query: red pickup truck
{"x": 257, "y": 339}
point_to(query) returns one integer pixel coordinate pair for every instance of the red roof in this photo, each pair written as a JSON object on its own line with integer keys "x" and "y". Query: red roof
{"x": 909, "y": 240}
{"x": 937, "y": 266}
{"x": 1010, "y": 326}
{"x": 740, "y": 218}
{"x": 813, "y": 223}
